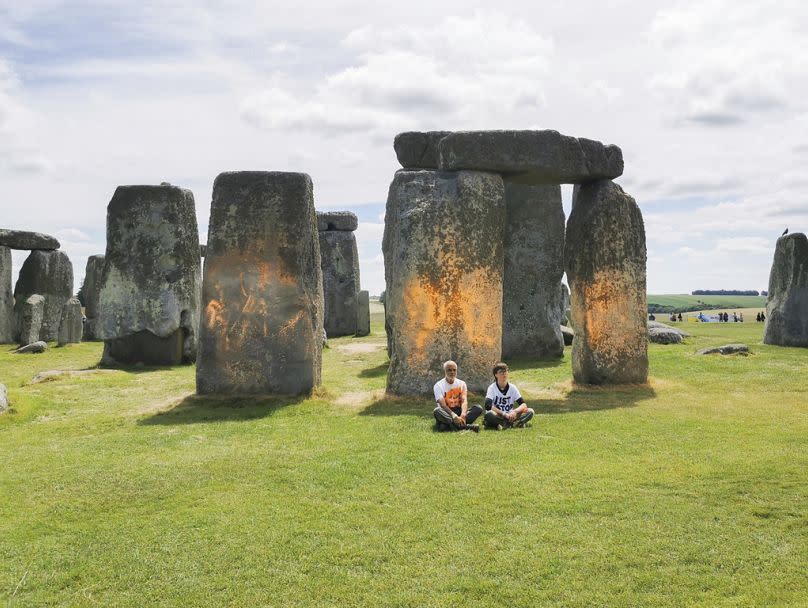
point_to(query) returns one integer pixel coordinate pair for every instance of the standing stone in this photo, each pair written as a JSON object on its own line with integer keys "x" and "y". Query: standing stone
{"x": 92, "y": 291}
{"x": 443, "y": 252}
{"x": 6, "y": 298}
{"x": 605, "y": 260}
{"x": 345, "y": 221}
{"x": 262, "y": 294}
{"x": 534, "y": 264}
{"x": 49, "y": 274}
{"x": 30, "y": 318}
{"x": 148, "y": 303}
{"x": 565, "y": 305}
{"x": 340, "y": 268}
{"x": 70, "y": 328}
{"x": 363, "y": 313}
{"x": 787, "y": 304}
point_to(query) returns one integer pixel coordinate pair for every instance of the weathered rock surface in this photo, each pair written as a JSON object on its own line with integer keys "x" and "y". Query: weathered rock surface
{"x": 444, "y": 262}
{"x": 605, "y": 262}
{"x": 726, "y": 349}
{"x": 21, "y": 239}
{"x": 152, "y": 276}
{"x": 203, "y": 250}
{"x": 34, "y": 348}
{"x": 344, "y": 221}
{"x": 664, "y": 335}
{"x": 6, "y": 298}
{"x": 534, "y": 264}
{"x": 363, "y": 313}
{"x": 70, "y": 327}
{"x": 565, "y": 304}
{"x": 533, "y": 157}
{"x": 30, "y": 318}
{"x": 49, "y": 274}
{"x": 569, "y": 335}
{"x": 93, "y": 275}
{"x": 657, "y": 324}
{"x": 340, "y": 267}
{"x": 787, "y": 304}
{"x": 418, "y": 149}
{"x": 262, "y": 325}
{"x": 3, "y": 398}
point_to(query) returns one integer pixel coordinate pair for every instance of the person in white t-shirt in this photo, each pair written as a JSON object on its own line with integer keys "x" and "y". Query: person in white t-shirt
{"x": 453, "y": 412}
{"x": 504, "y": 403}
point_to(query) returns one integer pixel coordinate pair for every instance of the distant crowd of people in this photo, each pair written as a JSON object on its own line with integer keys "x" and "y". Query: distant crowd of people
{"x": 721, "y": 317}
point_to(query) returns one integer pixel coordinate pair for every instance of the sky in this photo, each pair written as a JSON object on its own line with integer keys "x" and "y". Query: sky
{"x": 708, "y": 101}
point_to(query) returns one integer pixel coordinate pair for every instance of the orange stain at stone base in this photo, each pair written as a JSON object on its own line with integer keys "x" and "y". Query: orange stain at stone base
{"x": 471, "y": 310}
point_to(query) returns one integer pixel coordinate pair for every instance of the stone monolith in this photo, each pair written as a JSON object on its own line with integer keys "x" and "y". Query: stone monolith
{"x": 534, "y": 264}
{"x": 30, "y": 318}
{"x": 533, "y": 157}
{"x": 340, "y": 268}
{"x": 262, "y": 296}
{"x": 443, "y": 252}
{"x": 92, "y": 290}
{"x": 787, "y": 304}
{"x": 6, "y": 298}
{"x": 362, "y": 313}
{"x": 22, "y": 239}
{"x": 148, "y": 303}
{"x": 49, "y": 274}
{"x": 70, "y": 327}
{"x": 605, "y": 259}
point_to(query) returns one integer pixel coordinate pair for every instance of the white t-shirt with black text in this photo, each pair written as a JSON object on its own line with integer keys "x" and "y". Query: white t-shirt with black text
{"x": 503, "y": 400}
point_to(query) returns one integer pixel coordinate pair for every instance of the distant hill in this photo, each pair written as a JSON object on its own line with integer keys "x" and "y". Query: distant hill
{"x": 685, "y": 303}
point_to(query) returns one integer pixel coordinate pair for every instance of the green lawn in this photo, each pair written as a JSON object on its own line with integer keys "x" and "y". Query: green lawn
{"x": 123, "y": 489}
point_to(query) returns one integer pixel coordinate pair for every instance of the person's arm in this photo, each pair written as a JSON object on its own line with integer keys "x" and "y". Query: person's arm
{"x": 464, "y": 404}
{"x": 521, "y": 409}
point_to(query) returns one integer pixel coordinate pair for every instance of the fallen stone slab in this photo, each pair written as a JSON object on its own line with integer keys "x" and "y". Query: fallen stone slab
{"x": 344, "y": 221}
{"x": 6, "y": 298}
{"x": 21, "y": 239}
{"x": 58, "y": 374}
{"x": 35, "y": 347}
{"x": 418, "y": 149}
{"x": 787, "y": 303}
{"x": 664, "y": 335}
{"x": 652, "y": 324}
{"x": 727, "y": 349}
{"x": 532, "y": 157}
{"x": 3, "y": 398}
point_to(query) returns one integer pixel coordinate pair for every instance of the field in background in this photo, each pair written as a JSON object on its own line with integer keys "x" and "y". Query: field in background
{"x": 122, "y": 488}
{"x": 707, "y": 302}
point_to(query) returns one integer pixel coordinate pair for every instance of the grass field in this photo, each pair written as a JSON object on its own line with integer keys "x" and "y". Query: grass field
{"x": 123, "y": 489}
{"x": 728, "y": 302}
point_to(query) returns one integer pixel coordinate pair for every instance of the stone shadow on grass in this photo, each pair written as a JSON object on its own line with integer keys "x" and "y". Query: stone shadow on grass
{"x": 196, "y": 409}
{"x": 375, "y": 372}
{"x": 579, "y": 399}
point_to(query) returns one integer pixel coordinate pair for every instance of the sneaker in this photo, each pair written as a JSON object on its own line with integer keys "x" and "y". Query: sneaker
{"x": 473, "y": 427}
{"x": 442, "y": 428}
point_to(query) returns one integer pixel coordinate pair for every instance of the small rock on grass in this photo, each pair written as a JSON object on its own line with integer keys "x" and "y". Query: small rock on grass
{"x": 3, "y": 398}
{"x": 34, "y": 347}
{"x": 727, "y": 349}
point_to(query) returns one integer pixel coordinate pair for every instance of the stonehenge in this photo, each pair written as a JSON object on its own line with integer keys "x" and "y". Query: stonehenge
{"x": 605, "y": 259}
{"x": 148, "y": 302}
{"x": 92, "y": 287}
{"x": 30, "y": 319}
{"x": 48, "y": 273}
{"x": 262, "y": 294}
{"x": 6, "y": 297}
{"x": 787, "y": 304}
{"x": 443, "y": 295}
{"x": 340, "y": 269}
{"x": 537, "y": 249}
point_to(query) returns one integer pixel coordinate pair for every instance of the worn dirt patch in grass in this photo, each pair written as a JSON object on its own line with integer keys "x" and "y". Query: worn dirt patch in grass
{"x": 356, "y": 348}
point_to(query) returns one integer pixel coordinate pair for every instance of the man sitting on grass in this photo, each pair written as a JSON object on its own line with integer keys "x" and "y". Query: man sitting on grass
{"x": 453, "y": 412}
{"x": 504, "y": 403}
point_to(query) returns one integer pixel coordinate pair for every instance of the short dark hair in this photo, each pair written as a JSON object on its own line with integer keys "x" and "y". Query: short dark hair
{"x": 499, "y": 367}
